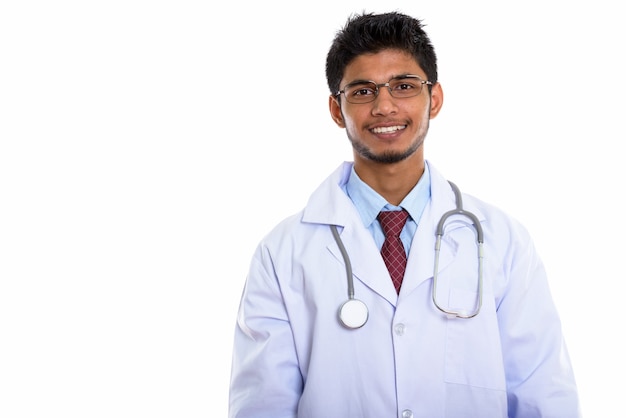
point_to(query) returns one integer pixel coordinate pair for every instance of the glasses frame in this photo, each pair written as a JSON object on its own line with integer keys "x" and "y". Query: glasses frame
{"x": 380, "y": 85}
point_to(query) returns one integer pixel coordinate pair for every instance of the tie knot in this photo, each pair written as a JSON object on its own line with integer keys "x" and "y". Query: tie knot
{"x": 393, "y": 221}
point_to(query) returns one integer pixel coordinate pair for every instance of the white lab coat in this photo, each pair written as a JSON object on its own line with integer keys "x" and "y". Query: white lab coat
{"x": 293, "y": 358}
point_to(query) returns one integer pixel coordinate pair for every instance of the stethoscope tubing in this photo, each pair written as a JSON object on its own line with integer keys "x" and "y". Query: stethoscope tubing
{"x": 479, "y": 243}
{"x": 353, "y": 313}
{"x": 346, "y": 260}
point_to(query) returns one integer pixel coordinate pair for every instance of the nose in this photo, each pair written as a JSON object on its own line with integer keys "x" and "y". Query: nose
{"x": 384, "y": 103}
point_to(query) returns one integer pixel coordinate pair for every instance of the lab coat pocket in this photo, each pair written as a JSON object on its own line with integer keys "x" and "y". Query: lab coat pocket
{"x": 473, "y": 352}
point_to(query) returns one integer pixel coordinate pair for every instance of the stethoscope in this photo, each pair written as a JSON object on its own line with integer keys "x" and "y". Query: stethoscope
{"x": 353, "y": 313}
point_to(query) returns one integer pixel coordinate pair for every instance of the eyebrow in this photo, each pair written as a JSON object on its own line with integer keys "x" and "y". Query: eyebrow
{"x": 363, "y": 81}
{"x": 359, "y": 81}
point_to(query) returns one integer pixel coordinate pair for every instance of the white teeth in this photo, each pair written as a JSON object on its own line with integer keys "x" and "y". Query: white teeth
{"x": 388, "y": 129}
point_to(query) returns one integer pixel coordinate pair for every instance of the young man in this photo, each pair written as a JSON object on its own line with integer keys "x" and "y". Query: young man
{"x": 465, "y": 327}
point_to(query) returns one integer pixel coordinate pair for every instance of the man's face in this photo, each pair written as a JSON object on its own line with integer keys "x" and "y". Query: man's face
{"x": 388, "y": 129}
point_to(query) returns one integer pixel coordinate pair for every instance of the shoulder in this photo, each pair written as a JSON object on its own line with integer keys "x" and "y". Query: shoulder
{"x": 495, "y": 217}
{"x": 490, "y": 216}
{"x": 292, "y": 232}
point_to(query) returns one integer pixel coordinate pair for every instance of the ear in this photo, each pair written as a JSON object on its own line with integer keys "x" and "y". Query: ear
{"x": 436, "y": 100}
{"x": 335, "y": 110}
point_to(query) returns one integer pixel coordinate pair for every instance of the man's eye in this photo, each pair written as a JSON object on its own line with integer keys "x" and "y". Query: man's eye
{"x": 363, "y": 91}
{"x": 404, "y": 86}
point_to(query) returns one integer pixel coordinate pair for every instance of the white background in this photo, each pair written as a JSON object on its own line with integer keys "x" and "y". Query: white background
{"x": 132, "y": 133}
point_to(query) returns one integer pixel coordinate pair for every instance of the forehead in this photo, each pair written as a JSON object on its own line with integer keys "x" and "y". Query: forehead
{"x": 381, "y": 66}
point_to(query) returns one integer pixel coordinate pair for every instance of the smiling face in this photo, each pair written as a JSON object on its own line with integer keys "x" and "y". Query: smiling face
{"x": 389, "y": 129}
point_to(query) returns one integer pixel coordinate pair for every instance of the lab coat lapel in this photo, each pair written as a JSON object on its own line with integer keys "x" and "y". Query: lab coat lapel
{"x": 367, "y": 263}
{"x": 421, "y": 260}
{"x": 329, "y": 205}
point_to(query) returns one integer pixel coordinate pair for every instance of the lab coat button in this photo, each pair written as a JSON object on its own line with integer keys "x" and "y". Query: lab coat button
{"x": 399, "y": 329}
{"x": 407, "y": 413}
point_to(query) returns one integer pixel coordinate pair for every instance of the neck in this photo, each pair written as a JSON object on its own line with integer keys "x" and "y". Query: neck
{"x": 391, "y": 181}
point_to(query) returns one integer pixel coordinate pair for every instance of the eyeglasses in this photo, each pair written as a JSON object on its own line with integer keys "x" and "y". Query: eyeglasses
{"x": 400, "y": 87}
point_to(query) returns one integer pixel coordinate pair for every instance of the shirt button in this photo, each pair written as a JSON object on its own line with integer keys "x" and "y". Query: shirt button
{"x": 399, "y": 329}
{"x": 407, "y": 413}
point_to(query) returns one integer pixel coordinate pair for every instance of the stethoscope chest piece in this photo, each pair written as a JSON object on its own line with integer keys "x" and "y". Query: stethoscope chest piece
{"x": 353, "y": 314}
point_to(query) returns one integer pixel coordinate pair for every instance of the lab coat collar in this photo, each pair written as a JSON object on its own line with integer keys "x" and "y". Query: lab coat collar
{"x": 330, "y": 205}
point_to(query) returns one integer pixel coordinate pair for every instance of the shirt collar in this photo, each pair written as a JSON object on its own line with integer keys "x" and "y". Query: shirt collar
{"x": 369, "y": 203}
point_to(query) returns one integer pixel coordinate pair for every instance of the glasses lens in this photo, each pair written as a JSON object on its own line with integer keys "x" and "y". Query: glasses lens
{"x": 405, "y": 86}
{"x": 362, "y": 92}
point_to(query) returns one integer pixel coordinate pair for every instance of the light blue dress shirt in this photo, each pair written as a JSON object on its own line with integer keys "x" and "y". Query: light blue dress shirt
{"x": 369, "y": 203}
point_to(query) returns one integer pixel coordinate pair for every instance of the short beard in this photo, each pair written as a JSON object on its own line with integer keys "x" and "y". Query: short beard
{"x": 386, "y": 157}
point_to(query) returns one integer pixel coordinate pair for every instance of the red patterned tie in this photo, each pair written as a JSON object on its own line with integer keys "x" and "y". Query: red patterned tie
{"x": 393, "y": 251}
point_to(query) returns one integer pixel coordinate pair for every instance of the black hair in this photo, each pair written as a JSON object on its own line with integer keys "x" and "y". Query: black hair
{"x": 370, "y": 33}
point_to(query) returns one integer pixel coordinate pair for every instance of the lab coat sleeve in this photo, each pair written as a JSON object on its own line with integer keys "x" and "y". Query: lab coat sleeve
{"x": 265, "y": 378}
{"x": 540, "y": 380}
